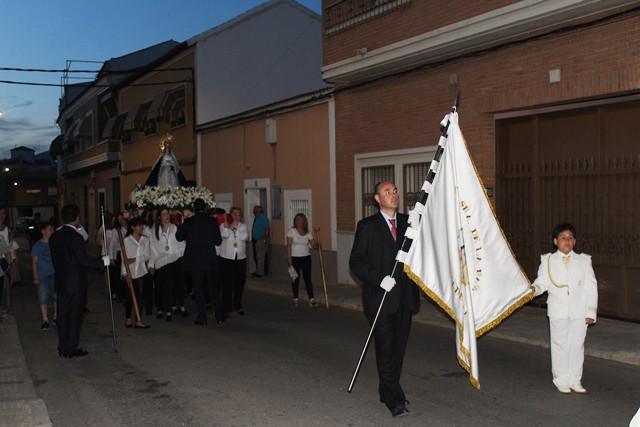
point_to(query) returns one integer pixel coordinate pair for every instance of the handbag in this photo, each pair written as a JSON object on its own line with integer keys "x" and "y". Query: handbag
{"x": 292, "y": 273}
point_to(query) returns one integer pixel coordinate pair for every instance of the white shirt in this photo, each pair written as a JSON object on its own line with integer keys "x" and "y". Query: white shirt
{"x": 300, "y": 244}
{"x": 138, "y": 250}
{"x": 234, "y": 244}
{"x": 165, "y": 249}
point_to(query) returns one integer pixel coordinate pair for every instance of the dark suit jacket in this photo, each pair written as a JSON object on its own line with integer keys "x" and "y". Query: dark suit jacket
{"x": 70, "y": 260}
{"x": 202, "y": 234}
{"x": 373, "y": 257}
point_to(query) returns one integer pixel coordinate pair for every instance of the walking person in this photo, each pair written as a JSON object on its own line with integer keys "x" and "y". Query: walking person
{"x": 377, "y": 241}
{"x": 260, "y": 233}
{"x": 5, "y": 257}
{"x": 70, "y": 261}
{"x": 43, "y": 275}
{"x": 136, "y": 255}
{"x": 165, "y": 266}
{"x": 202, "y": 234}
{"x": 299, "y": 240}
{"x": 233, "y": 257}
{"x": 572, "y": 305}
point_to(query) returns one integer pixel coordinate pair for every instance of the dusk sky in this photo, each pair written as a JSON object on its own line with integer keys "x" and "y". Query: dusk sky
{"x": 45, "y": 34}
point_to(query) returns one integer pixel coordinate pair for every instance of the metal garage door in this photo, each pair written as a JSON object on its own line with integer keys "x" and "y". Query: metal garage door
{"x": 581, "y": 166}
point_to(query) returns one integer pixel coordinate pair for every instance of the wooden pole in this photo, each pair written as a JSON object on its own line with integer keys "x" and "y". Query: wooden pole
{"x": 128, "y": 277}
{"x": 324, "y": 279}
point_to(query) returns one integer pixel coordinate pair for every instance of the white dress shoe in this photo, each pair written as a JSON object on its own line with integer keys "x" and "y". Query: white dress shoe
{"x": 578, "y": 388}
{"x": 564, "y": 389}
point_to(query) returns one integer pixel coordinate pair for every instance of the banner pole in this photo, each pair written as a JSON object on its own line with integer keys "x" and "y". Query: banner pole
{"x": 104, "y": 244}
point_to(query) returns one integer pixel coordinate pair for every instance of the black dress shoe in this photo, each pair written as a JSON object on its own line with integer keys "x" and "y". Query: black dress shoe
{"x": 241, "y": 312}
{"x": 200, "y": 323}
{"x": 79, "y": 353}
{"x": 400, "y": 411}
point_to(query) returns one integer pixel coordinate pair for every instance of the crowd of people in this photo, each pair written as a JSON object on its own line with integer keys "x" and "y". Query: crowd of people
{"x": 157, "y": 261}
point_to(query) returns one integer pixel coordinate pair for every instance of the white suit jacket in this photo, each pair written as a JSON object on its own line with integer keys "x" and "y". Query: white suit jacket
{"x": 572, "y": 291}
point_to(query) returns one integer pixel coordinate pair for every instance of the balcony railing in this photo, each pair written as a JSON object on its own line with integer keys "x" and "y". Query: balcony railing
{"x": 343, "y": 14}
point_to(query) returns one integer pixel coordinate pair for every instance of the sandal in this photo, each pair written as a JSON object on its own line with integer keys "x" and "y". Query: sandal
{"x": 312, "y": 303}
{"x": 295, "y": 302}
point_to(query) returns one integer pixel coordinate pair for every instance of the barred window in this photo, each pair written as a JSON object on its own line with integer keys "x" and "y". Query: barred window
{"x": 406, "y": 168}
{"x": 370, "y": 177}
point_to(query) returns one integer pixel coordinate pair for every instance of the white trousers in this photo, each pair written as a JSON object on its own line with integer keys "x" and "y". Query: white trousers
{"x": 567, "y": 350}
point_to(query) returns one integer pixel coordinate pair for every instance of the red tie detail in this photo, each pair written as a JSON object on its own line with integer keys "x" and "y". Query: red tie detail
{"x": 394, "y": 231}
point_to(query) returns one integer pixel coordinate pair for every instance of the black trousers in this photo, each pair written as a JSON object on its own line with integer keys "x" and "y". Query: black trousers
{"x": 70, "y": 317}
{"x": 391, "y": 335}
{"x": 302, "y": 265}
{"x": 170, "y": 284}
{"x": 234, "y": 277}
{"x": 142, "y": 287}
{"x": 207, "y": 279}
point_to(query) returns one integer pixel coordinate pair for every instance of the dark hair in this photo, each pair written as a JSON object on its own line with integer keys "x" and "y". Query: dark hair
{"x": 116, "y": 223}
{"x": 135, "y": 221}
{"x": 108, "y": 220}
{"x": 198, "y": 205}
{"x": 159, "y": 220}
{"x": 69, "y": 213}
{"x": 563, "y": 226}
{"x": 44, "y": 225}
{"x": 305, "y": 223}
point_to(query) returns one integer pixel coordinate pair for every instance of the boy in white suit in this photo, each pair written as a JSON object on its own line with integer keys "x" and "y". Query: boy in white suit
{"x": 572, "y": 303}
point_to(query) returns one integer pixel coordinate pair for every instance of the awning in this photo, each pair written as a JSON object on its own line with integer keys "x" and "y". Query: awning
{"x": 163, "y": 104}
{"x": 156, "y": 112}
{"x": 71, "y": 131}
{"x": 55, "y": 149}
{"x": 113, "y": 127}
{"x": 136, "y": 117}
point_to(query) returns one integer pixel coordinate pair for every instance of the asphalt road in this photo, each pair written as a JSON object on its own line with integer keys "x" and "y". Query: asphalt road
{"x": 286, "y": 366}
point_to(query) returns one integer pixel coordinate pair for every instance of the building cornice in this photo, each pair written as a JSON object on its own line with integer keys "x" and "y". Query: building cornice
{"x": 489, "y": 29}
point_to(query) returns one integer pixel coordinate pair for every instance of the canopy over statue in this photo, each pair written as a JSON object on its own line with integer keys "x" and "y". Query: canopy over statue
{"x": 166, "y": 171}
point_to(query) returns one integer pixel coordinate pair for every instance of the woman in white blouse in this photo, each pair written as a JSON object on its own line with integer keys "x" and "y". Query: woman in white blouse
{"x": 136, "y": 247}
{"x": 165, "y": 266}
{"x": 299, "y": 240}
{"x": 233, "y": 256}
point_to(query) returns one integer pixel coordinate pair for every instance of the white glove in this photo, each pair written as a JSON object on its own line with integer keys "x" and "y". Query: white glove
{"x": 414, "y": 219}
{"x": 388, "y": 283}
{"x": 106, "y": 260}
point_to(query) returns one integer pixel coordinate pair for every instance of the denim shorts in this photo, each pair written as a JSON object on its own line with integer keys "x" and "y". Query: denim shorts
{"x": 45, "y": 290}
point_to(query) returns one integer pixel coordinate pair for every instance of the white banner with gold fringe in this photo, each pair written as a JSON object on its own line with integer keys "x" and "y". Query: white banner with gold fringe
{"x": 460, "y": 256}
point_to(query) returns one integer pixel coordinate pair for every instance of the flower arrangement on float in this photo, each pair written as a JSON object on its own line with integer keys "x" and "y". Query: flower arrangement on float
{"x": 173, "y": 198}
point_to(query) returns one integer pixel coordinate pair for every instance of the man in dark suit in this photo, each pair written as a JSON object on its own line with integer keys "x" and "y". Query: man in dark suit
{"x": 377, "y": 241}
{"x": 202, "y": 234}
{"x": 70, "y": 261}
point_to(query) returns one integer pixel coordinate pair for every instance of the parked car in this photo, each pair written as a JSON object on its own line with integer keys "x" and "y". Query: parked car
{"x": 25, "y": 224}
